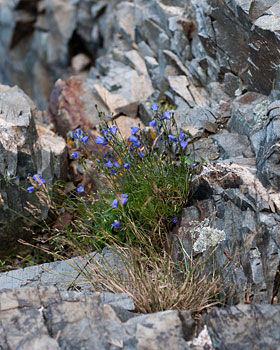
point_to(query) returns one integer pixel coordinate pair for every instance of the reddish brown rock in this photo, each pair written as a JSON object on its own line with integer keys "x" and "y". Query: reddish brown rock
{"x": 73, "y": 105}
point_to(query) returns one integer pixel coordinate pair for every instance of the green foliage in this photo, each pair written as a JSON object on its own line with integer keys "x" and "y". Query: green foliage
{"x": 151, "y": 169}
{"x": 141, "y": 186}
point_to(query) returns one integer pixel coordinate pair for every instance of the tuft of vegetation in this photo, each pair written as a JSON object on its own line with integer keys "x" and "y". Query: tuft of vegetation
{"x": 139, "y": 187}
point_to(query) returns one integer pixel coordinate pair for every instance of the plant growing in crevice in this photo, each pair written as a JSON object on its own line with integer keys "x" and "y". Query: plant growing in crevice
{"x": 141, "y": 185}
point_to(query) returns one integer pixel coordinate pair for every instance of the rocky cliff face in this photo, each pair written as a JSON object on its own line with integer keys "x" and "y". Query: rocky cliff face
{"x": 217, "y": 62}
{"x": 232, "y": 42}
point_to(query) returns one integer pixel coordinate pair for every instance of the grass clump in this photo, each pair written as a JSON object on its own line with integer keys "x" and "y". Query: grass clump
{"x": 140, "y": 186}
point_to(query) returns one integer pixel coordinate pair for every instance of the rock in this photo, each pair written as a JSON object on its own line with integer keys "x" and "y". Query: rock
{"x": 245, "y": 326}
{"x": 232, "y": 84}
{"x": 268, "y": 157}
{"x": 122, "y": 89}
{"x": 179, "y": 84}
{"x": 45, "y": 317}
{"x": 80, "y": 62}
{"x": 72, "y": 105}
{"x": 24, "y": 149}
{"x": 233, "y": 145}
{"x": 248, "y": 117}
{"x": 197, "y": 121}
{"x": 242, "y": 38}
{"x": 125, "y": 123}
{"x": 237, "y": 203}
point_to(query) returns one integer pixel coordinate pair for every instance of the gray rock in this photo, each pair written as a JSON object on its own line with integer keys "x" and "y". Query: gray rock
{"x": 268, "y": 157}
{"x": 45, "y": 318}
{"x": 24, "y": 149}
{"x": 198, "y": 120}
{"x": 245, "y": 326}
{"x": 237, "y": 203}
{"x": 232, "y": 84}
{"x": 233, "y": 145}
{"x": 133, "y": 88}
{"x": 248, "y": 117}
{"x": 242, "y": 38}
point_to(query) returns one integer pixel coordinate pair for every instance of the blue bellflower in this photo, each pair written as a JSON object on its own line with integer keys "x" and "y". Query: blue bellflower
{"x": 184, "y": 144}
{"x": 134, "y": 130}
{"x": 109, "y": 164}
{"x": 80, "y": 189}
{"x": 78, "y": 134}
{"x": 133, "y": 139}
{"x": 30, "y": 189}
{"x": 116, "y": 164}
{"x": 84, "y": 139}
{"x": 153, "y": 123}
{"x": 101, "y": 141}
{"x": 115, "y": 204}
{"x": 172, "y": 138}
{"x": 113, "y": 130}
{"x": 116, "y": 224}
{"x": 75, "y": 155}
{"x": 39, "y": 179}
{"x": 124, "y": 198}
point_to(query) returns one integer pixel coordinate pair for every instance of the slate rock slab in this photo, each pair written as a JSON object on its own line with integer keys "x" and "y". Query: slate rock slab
{"x": 245, "y": 327}
{"x": 44, "y": 318}
{"x": 26, "y": 147}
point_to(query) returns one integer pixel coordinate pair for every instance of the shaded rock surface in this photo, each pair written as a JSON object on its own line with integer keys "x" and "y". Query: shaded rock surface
{"x": 25, "y": 148}
{"x": 245, "y": 326}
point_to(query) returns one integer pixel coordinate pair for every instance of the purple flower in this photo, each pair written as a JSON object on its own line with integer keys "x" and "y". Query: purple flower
{"x": 113, "y": 130}
{"x": 84, "y": 139}
{"x": 116, "y": 224}
{"x": 30, "y": 189}
{"x": 127, "y": 166}
{"x": 39, "y": 179}
{"x": 78, "y": 134}
{"x": 115, "y": 204}
{"x": 175, "y": 220}
{"x": 109, "y": 116}
{"x": 137, "y": 144}
{"x": 116, "y": 164}
{"x": 172, "y": 138}
{"x": 124, "y": 198}
{"x": 101, "y": 141}
{"x": 80, "y": 189}
{"x": 153, "y": 123}
{"x": 184, "y": 144}
{"x": 133, "y": 138}
{"x": 109, "y": 164}
{"x": 106, "y": 134}
{"x": 134, "y": 130}
{"x": 193, "y": 165}
{"x": 167, "y": 115}
{"x": 75, "y": 155}
{"x": 142, "y": 154}
{"x": 155, "y": 107}
{"x": 182, "y": 137}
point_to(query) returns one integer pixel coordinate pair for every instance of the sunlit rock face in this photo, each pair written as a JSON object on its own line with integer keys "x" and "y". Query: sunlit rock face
{"x": 233, "y": 42}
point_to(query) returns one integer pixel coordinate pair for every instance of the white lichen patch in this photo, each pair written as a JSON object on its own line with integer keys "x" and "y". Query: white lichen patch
{"x": 255, "y": 253}
{"x": 205, "y": 236}
{"x": 260, "y": 114}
